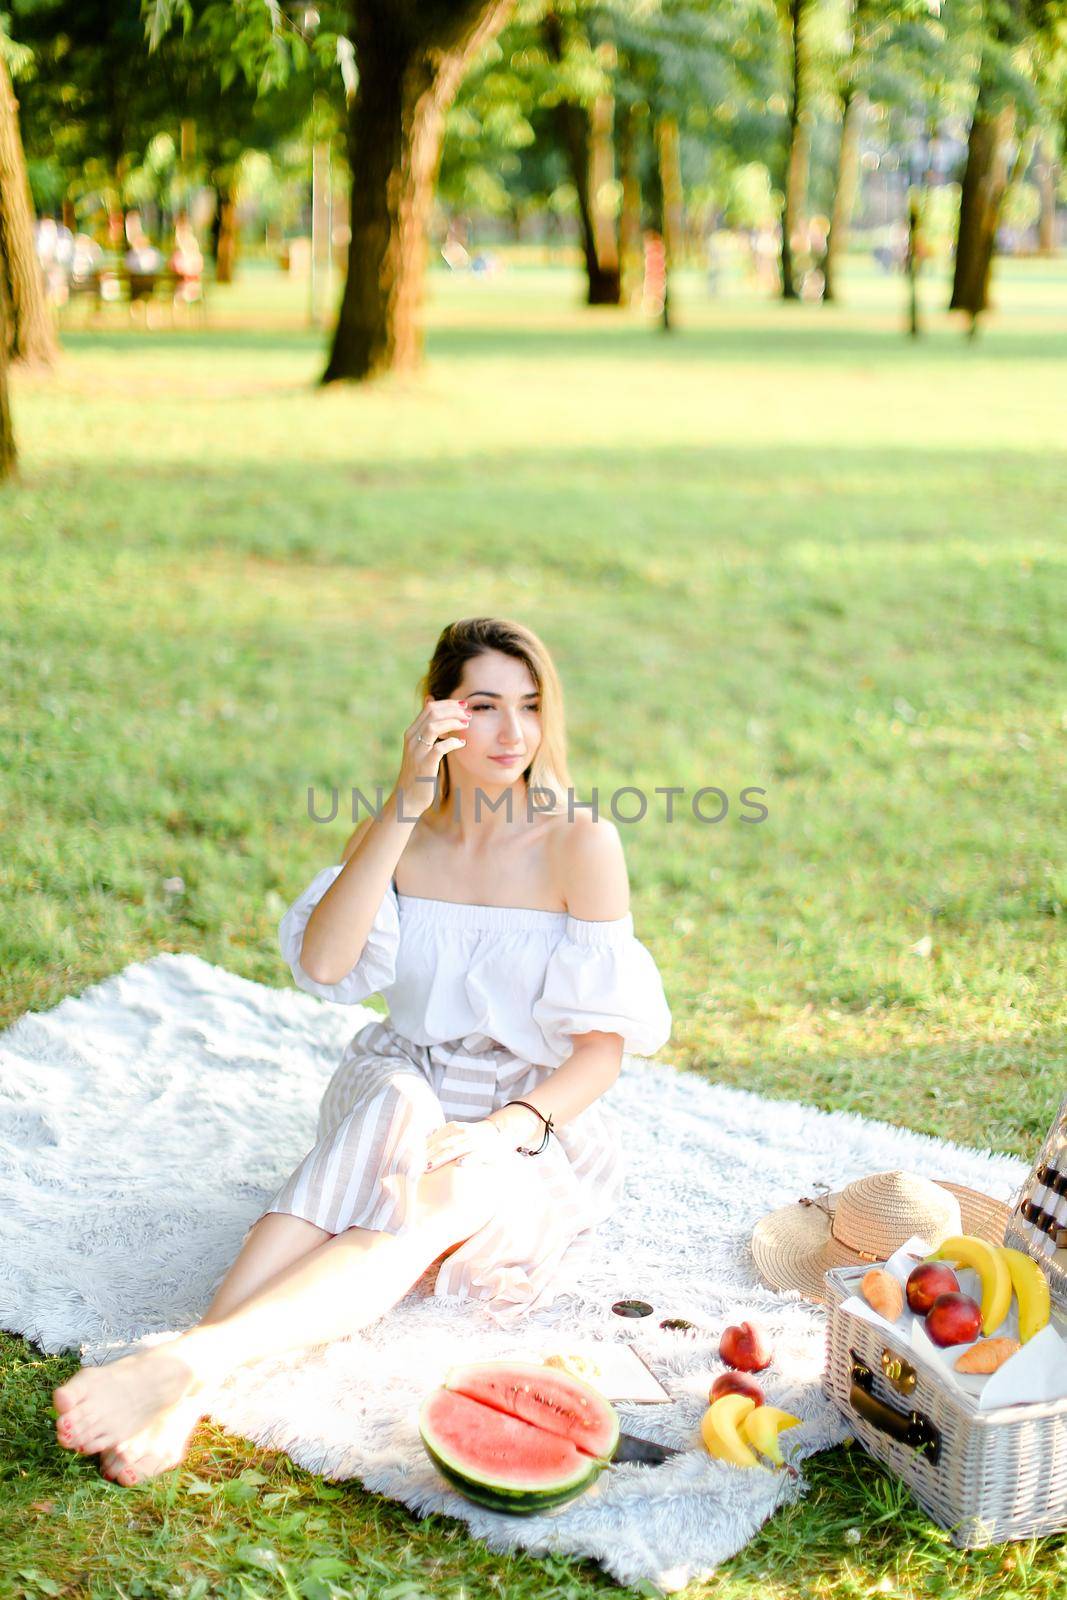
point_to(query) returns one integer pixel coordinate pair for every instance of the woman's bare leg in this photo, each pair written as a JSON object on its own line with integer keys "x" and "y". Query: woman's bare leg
{"x": 273, "y": 1243}
{"x": 341, "y": 1285}
{"x": 347, "y": 1283}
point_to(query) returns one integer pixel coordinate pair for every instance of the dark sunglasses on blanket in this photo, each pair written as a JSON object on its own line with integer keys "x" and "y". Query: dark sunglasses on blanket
{"x": 641, "y": 1308}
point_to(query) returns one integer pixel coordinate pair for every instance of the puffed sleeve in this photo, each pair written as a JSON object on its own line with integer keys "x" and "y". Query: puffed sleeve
{"x": 601, "y": 977}
{"x": 376, "y": 967}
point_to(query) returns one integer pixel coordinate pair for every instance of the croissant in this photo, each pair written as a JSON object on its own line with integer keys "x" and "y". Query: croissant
{"x": 987, "y": 1355}
{"x": 882, "y": 1291}
{"x": 581, "y": 1366}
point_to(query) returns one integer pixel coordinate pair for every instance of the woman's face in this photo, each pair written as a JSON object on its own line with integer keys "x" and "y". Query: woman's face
{"x": 504, "y": 732}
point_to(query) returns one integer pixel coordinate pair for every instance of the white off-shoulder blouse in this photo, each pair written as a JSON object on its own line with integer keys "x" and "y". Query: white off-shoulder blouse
{"x": 527, "y": 979}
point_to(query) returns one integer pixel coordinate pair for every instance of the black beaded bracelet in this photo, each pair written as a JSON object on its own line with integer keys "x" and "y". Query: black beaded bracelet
{"x": 548, "y": 1128}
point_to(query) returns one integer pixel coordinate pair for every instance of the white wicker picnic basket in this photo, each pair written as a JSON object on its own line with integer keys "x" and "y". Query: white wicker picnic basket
{"x": 985, "y": 1476}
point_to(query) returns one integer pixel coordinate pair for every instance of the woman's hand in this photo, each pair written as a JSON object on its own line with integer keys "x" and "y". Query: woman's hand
{"x": 457, "y": 1139}
{"x": 424, "y": 748}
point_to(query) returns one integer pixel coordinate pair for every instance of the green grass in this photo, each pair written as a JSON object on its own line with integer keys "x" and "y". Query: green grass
{"x": 786, "y": 547}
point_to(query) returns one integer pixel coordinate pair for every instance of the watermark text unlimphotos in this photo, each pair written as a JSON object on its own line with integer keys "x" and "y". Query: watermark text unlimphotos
{"x": 625, "y": 805}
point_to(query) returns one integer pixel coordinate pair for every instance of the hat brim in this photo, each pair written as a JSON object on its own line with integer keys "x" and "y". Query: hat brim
{"x": 793, "y": 1247}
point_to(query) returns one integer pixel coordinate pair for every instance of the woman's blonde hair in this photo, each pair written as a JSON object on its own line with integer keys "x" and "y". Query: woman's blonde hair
{"x": 459, "y": 643}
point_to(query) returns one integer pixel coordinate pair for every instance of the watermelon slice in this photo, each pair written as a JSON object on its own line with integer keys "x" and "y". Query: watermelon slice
{"x": 551, "y": 1399}
{"x": 510, "y": 1462}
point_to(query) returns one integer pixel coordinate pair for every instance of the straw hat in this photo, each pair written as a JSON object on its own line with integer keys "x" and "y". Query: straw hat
{"x": 864, "y": 1222}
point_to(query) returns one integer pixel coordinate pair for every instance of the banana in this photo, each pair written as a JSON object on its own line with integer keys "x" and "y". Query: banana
{"x": 762, "y": 1427}
{"x": 1031, "y": 1291}
{"x": 718, "y": 1429}
{"x": 967, "y": 1250}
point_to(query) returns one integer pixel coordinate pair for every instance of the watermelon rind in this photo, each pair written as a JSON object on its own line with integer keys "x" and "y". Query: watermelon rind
{"x": 514, "y": 1502}
{"x": 459, "y": 1379}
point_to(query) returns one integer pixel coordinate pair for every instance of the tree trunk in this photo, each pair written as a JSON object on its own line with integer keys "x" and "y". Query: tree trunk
{"x": 670, "y": 166}
{"x": 603, "y": 287}
{"x": 985, "y": 179}
{"x": 658, "y": 211}
{"x": 224, "y": 229}
{"x": 796, "y": 177}
{"x": 1047, "y": 173}
{"x": 630, "y": 249}
{"x": 579, "y": 136}
{"x": 28, "y": 325}
{"x": 852, "y": 111}
{"x": 601, "y": 177}
{"x": 602, "y": 276}
{"x": 913, "y": 262}
{"x": 7, "y": 432}
{"x": 411, "y": 62}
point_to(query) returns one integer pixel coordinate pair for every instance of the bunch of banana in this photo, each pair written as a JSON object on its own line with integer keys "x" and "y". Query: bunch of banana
{"x": 733, "y": 1423}
{"x": 1001, "y": 1270}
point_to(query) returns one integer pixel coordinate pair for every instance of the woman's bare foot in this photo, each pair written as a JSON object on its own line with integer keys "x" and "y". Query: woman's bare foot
{"x": 158, "y": 1448}
{"x": 108, "y": 1405}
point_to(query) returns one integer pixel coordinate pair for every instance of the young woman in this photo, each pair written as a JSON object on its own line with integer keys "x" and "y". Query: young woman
{"x": 465, "y": 1129}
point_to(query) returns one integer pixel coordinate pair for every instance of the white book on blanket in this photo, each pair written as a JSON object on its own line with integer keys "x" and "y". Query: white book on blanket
{"x": 615, "y": 1368}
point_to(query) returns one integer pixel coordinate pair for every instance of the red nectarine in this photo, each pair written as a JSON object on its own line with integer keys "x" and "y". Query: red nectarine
{"x": 736, "y": 1383}
{"x": 744, "y": 1347}
{"x": 954, "y": 1319}
{"x": 927, "y": 1281}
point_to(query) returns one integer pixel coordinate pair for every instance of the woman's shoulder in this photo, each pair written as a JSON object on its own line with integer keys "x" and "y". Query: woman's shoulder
{"x": 589, "y": 866}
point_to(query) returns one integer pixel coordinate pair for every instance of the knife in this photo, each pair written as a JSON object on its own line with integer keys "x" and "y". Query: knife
{"x": 630, "y": 1448}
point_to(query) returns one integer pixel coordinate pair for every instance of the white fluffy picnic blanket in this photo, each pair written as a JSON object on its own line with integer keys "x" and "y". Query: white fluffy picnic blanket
{"x": 145, "y": 1122}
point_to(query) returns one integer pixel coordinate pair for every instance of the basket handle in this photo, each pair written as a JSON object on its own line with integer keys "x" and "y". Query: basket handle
{"x": 912, "y": 1428}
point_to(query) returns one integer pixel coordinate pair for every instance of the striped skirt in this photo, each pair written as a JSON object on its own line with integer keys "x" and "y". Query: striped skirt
{"x": 386, "y": 1097}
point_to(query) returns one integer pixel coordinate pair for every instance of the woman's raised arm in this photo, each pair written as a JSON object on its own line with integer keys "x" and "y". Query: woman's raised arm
{"x": 338, "y": 927}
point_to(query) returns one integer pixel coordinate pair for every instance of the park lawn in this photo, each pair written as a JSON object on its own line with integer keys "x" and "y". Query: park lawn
{"x": 784, "y": 547}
